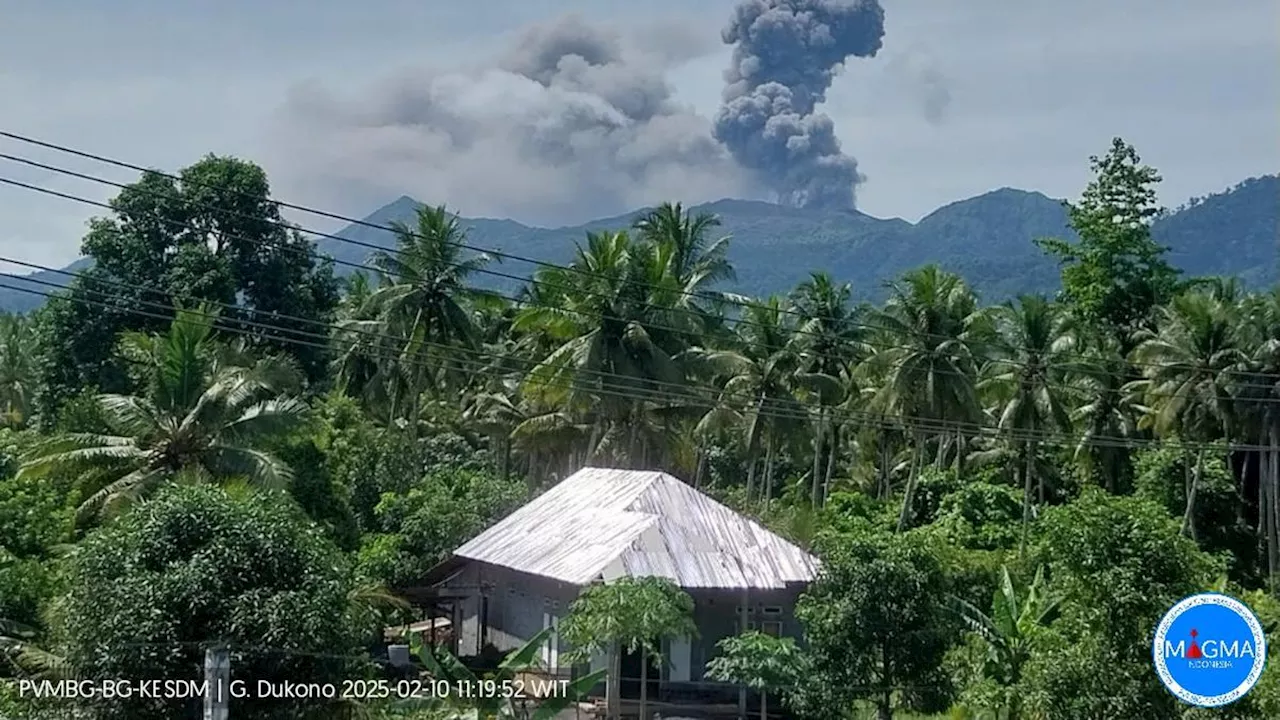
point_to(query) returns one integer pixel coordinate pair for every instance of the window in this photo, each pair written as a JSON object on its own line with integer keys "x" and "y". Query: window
{"x": 768, "y": 627}
{"x": 772, "y": 611}
{"x": 551, "y": 649}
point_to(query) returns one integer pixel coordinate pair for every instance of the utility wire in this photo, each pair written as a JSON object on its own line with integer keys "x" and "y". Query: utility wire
{"x": 355, "y": 330}
{"x": 462, "y": 245}
{"x": 792, "y": 409}
{"x": 630, "y": 389}
{"x": 520, "y": 301}
{"x": 737, "y": 322}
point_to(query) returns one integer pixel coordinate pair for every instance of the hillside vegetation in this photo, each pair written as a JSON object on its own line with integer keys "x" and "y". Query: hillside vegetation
{"x": 221, "y": 442}
{"x": 985, "y": 238}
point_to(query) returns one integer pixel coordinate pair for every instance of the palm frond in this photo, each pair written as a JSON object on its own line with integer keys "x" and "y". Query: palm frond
{"x": 120, "y": 493}
{"x": 259, "y": 467}
{"x": 264, "y": 419}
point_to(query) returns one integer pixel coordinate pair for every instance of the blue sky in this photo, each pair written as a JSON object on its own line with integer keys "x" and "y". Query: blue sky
{"x": 1034, "y": 88}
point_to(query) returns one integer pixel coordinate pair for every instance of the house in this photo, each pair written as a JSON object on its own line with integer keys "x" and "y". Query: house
{"x": 520, "y": 576}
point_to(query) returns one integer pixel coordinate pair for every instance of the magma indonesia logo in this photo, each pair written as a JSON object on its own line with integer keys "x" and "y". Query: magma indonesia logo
{"x": 1209, "y": 650}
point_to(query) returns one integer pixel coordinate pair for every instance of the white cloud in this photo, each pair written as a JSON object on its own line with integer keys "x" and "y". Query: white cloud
{"x": 1035, "y": 87}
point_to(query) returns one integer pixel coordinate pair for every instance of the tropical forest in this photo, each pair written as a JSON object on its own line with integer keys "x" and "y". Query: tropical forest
{"x": 215, "y": 434}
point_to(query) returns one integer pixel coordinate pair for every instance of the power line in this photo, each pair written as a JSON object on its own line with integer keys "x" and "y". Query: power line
{"x": 783, "y": 410}
{"x": 678, "y": 331}
{"x": 629, "y": 389}
{"x": 789, "y": 409}
{"x": 462, "y": 245}
{"x": 380, "y": 336}
{"x": 777, "y": 409}
{"x": 365, "y": 266}
{"x": 278, "y": 204}
{"x": 737, "y": 321}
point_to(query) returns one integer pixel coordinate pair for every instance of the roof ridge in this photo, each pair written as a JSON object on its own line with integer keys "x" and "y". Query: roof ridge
{"x": 754, "y": 524}
{"x": 597, "y": 514}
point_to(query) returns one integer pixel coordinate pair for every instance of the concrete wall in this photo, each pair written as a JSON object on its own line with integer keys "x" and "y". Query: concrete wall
{"x": 716, "y": 614}
{"x": 520, "y": 605}
{"x": 465, "y": 584}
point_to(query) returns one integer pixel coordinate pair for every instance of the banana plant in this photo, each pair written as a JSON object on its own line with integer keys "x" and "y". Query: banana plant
{"x": 1016, "y": 614}
{"x": 498, "y": 695}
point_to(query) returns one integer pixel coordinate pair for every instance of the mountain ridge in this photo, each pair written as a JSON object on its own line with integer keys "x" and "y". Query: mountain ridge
{"x": 986, "y": 238}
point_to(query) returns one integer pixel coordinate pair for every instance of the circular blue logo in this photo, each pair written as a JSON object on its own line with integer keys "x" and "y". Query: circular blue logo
{"x": 1209, "y": 650}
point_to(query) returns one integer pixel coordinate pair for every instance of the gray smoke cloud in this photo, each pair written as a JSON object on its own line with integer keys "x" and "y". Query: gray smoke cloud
{"x": 571, "y": 122}
{"x": 917, "y": 73}
{"x": 785, "y": 55}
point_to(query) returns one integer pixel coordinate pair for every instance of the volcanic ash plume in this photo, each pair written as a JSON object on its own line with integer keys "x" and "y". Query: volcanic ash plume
{"x": 785, "y": 54}
{"x": 569, "y": 122}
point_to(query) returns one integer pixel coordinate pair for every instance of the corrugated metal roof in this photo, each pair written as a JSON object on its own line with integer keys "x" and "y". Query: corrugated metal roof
{"x": 597, "y": 516}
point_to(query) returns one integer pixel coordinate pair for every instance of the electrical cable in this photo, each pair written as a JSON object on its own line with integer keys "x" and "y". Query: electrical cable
{"x": 372, "y": 246}
{"x": 650, "y": 324}
{"x": 628, "y": 389}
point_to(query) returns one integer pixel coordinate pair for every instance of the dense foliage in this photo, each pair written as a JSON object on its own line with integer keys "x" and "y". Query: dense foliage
{"x": 984, "y": 238}
{"x": 196, "y": 565}
{"x": 205, "y": 442}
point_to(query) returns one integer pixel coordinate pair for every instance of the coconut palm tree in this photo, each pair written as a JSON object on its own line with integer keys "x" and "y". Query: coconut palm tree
{"x": 612, "y": 342}
{"x": 926, "y": 360}
{"x": 17, "y": 369}
{"x": 831, "y": 341}
{"x": 422, "y": 303}
{"x": 201, "y": 417}
{"x": 1224, "y": 289}
{"x": 1025, "y": 376}
{"x": 759, "y": 375}
{"x": 366, "y": 365}
{"x": 362, "y": 351}
{"x": 1107, "y": 413}
{"x": 694, "y": 262}
{"x": 1188, "y": 364}
{"x": 496, "y": 414}
{"x": 1257, "y": 387}
{"x": 554, "y": 442}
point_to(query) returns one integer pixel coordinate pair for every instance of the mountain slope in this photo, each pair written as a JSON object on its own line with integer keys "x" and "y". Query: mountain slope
{"x": 39, "y": 283}
{"x": 1230, "y": 233}
{"x": 987, "y": 239}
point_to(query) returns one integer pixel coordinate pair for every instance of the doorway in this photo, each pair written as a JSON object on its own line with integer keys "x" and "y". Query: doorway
{"x": 630, "y": 685}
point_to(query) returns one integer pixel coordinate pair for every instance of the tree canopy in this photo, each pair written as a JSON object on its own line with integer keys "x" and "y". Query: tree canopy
{"x": 207, "y": 439}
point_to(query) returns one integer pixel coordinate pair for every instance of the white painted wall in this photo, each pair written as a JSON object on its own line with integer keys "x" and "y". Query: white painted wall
{"x": 613, "y": 571}
{"x": 551, "y": 651}
{"x": 680, "y": 657}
